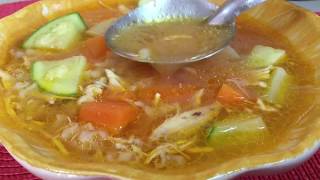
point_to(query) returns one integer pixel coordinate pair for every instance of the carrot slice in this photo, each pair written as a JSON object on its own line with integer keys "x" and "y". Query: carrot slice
{"x": 230, "y": 96}
{"x": 95, "y": 49}
{"x": 112, "y": 115}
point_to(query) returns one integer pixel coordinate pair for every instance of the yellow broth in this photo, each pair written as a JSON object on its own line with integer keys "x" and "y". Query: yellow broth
{"x": 49, "y": 116}
{"x": 171, "y": 41}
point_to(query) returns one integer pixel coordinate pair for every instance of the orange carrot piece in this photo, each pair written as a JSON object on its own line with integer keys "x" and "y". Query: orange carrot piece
{"x": 95, "y": 49}
{"x": 111, "y": 115}
{"x": 230, "y": 96}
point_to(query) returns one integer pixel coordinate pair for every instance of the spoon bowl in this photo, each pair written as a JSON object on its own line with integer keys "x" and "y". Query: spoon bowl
{"x": 160, "y": 11}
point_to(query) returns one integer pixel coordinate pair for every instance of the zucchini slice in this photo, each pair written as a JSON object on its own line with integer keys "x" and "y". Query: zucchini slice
{"x": 62, "y": 77}
{"x": 264, "y": 56}
{"x": 58, "y": 34}
{"x": 278, "y": 86}
{"x": 237, "y": 129}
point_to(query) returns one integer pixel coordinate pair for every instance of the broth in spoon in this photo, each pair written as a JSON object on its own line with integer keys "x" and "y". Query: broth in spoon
{"x": 171, "y": 41}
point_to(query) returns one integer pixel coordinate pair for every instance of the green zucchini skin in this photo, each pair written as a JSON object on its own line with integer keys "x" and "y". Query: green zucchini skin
{"x": 59, "y": 34}
{"x": 61, "y": 78}
{"x": 236, "y": 130}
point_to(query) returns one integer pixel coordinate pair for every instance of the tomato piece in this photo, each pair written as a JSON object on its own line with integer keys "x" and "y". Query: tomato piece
{"x": 95, "y": 49}
{"x": 230, "y": 96}
{"x": 111, "y": 115}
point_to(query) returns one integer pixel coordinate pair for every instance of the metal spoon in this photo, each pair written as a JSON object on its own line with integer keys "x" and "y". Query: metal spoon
{"x": 230, "y": 10}
{"x": 162, "y": 10}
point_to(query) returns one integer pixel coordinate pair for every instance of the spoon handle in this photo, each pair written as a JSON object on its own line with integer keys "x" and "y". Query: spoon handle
{"x": 230, "y": 9}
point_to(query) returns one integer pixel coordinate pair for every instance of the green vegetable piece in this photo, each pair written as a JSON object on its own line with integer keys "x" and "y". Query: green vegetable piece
{"x": 59, "y": 34}
{"x": 278, "y": 86}
{"x": 186, "y": 124}
{"x": 263, "y": 56}
{"x": 62, "y": 77}
{"x": 239, "y": 129}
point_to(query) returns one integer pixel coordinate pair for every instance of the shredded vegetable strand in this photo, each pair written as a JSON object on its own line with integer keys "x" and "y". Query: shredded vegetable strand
{"x": 196, "y": 150}
{"x": 56, "y": 141}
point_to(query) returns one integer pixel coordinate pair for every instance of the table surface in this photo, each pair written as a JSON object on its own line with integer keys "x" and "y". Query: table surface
{"x": 11, "y": 170}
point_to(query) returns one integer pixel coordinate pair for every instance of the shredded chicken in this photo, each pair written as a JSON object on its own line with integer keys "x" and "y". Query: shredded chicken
{"x": 26, "y": 90}
{"x": 115, "y": 82}
{"x": 68, "y": 132}
{"x": 128, "y": 149}
{"x": 161, "y": 110}
{"x": 169, "y": 154}
{"x": 85, "y": 135}
{"x": 92, "y": 91}
{"x": 197, "y": 98}
{"x": 21, "y": 85}
{"x": 257, "y": 77}
{"x": 186, "y": 124}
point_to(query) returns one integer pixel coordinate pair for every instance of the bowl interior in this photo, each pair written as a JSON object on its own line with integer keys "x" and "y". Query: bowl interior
{"x": 300, "y": 28}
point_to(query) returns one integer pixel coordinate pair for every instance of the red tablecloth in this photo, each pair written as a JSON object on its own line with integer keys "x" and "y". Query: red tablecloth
{"x": 11, "y": 170}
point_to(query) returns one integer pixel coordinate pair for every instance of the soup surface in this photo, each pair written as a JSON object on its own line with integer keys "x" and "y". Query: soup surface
{"x": 171, "y": 41}
{"x": 64, "y": 84}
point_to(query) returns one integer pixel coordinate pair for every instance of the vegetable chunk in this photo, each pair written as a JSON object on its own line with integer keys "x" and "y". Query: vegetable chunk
{"x": 278, "y": 86}
{"x": 186, "y": 124}
{"x": 229, "y": 96}
{"x": 59, "y": 34}
{"x": 95, "y": 49}
{"x": 59, "y": 77}
{"x": 237, "y": 129}
{"x": 112, "y": 115}
{"x": 264, "y": 56}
